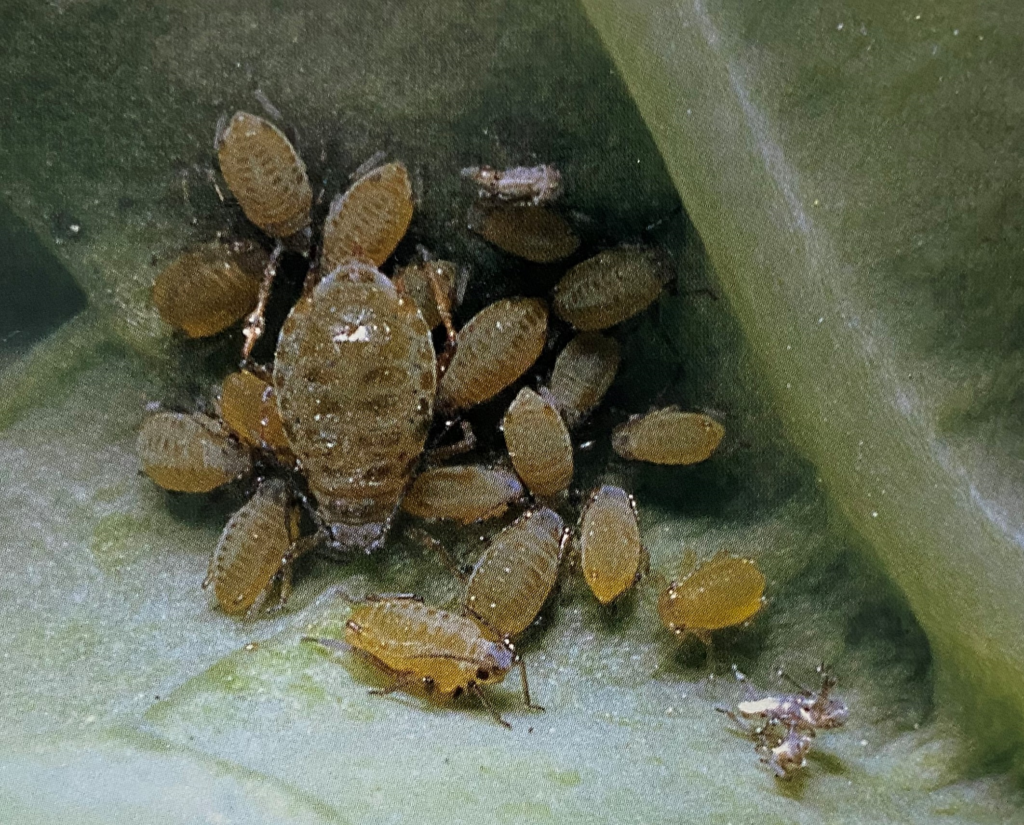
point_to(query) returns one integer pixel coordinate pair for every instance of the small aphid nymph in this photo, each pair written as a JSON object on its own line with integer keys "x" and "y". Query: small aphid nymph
{"x": 668, "y": 436}
{"x": 190, "y": 453}
{"x": 611, "y": 553}
{"x": 248, "y": 406}
{"x": 462, "y": 494}
{"x": 534, "y": 233}
{"x": 538, "y": 443}
{"x": 583, "y": 372}
{"x": 534, "y": 185}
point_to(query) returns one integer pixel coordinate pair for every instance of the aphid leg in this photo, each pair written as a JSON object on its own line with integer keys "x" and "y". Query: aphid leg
{"x": 783, "y": 675}
{"x": 286, "y": 583}
{"x": 393, "y": 597}
{"x": 333, "y": 645}
{"x": 446, "y": 558}
{"x": 473, "y": 686}
{"x": 257, "y": 606}
{"x": 443, "y": 304}
{"x": 526, "y": 688}
{"x": 256, "y": 323}
{"x": 463, "y": 445}
{"x": 740, "y": 723}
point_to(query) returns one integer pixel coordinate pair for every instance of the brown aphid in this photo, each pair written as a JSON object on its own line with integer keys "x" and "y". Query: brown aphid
{"x": 534, "y": 185}
{"x": 206, "y": 290}
{"x": 531, "y": 232}
{"x": 495, "y": 348}
{"x": 355, "y": 375}
{"x": 265, "y": 174}
{"x": 513, "y": 578}
{"x": 367, "y": 221}
{"x": 610, "y": 287}
{"x": 463, "y": 494}
{"x": 248, "y": 406}
{"x": 668, "y": 436}
{"x": 583, "y": 372}
{"x": 538, "y": 443}
{"x": 190, "y": 453}
{"x": 254, "y": 554}
{"x": 611, "y": 553}
{"x": 422, "y": 646}
{"x": 724, "y": 591}
{"x": 417, "y": 281}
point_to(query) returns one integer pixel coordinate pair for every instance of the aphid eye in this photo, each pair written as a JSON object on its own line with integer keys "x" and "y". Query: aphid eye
{"x": 483, "y": 674}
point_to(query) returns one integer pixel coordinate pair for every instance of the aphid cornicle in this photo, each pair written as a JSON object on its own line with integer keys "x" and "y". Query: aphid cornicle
{"x": 611, "y": 553}
{"x": 367, "y": 221}
{"x": 534, "y": 233}
{"x": 418, "y": 645}
{"x": 495, "y": 348}
{"x": 610, "y": 287}
{"x": 534, "y": 185}
{"x": 355, "y": 375}
{"x": 514, "y": 576}
{"x": 190, "y": 453}
{"x": 265, "y": 174}
{"x": 206, "y": 290}
{"x": 538, "y": 443}
{"x": 583, "y": 372}
{"x": 463, "y": 494}
{"x": 253, "y": 555}
{"x": 668, "y": 436}
{"x": 248, "y": 406}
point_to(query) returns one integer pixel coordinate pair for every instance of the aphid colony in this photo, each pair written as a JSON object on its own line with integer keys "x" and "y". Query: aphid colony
{"x": 336, "y": 428}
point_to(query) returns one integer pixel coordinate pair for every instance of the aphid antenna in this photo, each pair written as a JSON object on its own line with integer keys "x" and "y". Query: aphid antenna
{"x": 479, "y": 693}
{"x": 368, "y": 165}
{"x": 439, "y": 547}
{"x": 267, "y": 106}
{"x": 525, "y": 683}
{"x": 333, "y": 645}
{"x": 782, "y": 674}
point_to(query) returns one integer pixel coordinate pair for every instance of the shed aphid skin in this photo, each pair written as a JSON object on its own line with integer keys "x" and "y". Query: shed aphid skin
{"x": 538, "y": 443}
{"x": 190, "y": 453}
{"x": 464, "y": 494}
{"x": 422, "y": 646}
{"x": 583, "y": 372}
{"x": 206, "y": 290}
{"x": 612, "y": 286}
{"x": 355, "y": 375}
{"x": 668, "y": 436}
{"x": 256, "y": 551}
{"x": 498, "y": 345}
{"x": 783, "y": 748}
{"x": 514, "y": 576}
{"x": 248, "y": 407}
{"x": 534, "y": 185}
{"x": 806, "y": 710}
{"x": 611, "y": 553}
{"x": 369, "y": 219}
{"x": 721, "y": 592}
{"x": 533, "y": 233}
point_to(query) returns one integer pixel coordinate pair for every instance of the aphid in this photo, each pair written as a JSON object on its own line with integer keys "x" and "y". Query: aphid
{"x": 495, "y": 348}
{"x": 538, "y": 443}
{"x": 806, "y": 710}
{"x": 419, "y": 645}
{"x": 610, "y": 550}
{"x": 513, "y": 578}
{"x": 531, "y": 232}
{"x": 206, "y": 290}
{"x": 355, "y": 375}
{"x": 254, "y": 554}
{"x": 463, "y": 494}
{"x": 535, "y": 185}
{"x": 790, "y": 754}
{"x": 610, "y": 287}
{"x": 583, "y": 372}
{"x": 417, "y": 281}
{"x": 668, "y": 436}
{"x": 721, "y": 592}
{"x": 248, "y": 406}
{"x": 369, "y": 220}
{"x": 190, "y": 453}
{"x": 266, "y": 175}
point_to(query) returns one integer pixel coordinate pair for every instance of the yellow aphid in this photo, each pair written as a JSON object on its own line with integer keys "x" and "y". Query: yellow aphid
{"x": 415, "y": 281}
{"x": 248, "y": 406}
{"x": 610, "y": 287}
{"x": 253, "y": 555}
{"x": 531, "y": 232}
{"x": 610, "y": 550}
{"x": 538, "y": 443}
{"x": 668, "y": 436}
{"x": 724, "y": 591}
{"x": 369, "y": 220}
{"x": 495, "y": 348}
{"x": 583, "y": 372}
{"x": 265, "y": 174}
{"x": 190, "y": 453}
{"x": 514, "y": 576}
{"x": 463, "y": 494}
{"x": 206, "y": 290}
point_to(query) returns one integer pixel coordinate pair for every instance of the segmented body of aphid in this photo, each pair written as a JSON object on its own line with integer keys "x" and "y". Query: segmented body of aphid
{"x": 721, "y": 592}
{"x": 610, "y": 550}
{"x": 538, "y": 443}
{"x": 248, "y": 406}
{"x": 531, "y": 232}
{"x": 583, "y": 372}
{"x": 668, "y": 436}
{"x": 463, "y": 494}
{"x": 190, "y": 453}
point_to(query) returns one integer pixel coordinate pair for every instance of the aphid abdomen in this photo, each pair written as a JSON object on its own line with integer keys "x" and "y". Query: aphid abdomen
{"x": 611, "y": 552}
{"x": 514, "y": 576}
{"x": 251, "y": 548}
{"x": 248, "y": 406}
{"x": 531, "y": 232}
{"x": 721, "y": 592}
{"x": 370, "y": 218}
{"x": 416, "y": 281}
{"x": 495, "y": 348}
{"x": 583, "y": 372}
{"x": 355, "y": 375}
{"x": 206, "y": 290}
{"x": 538, "y": 443}
{"x": 463, "y": 494}
{"x": 668, "y": 436}
{"x": 189, "y": 453}
{"x": 265, "y": 174}
{"x": 609, "y": 288}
